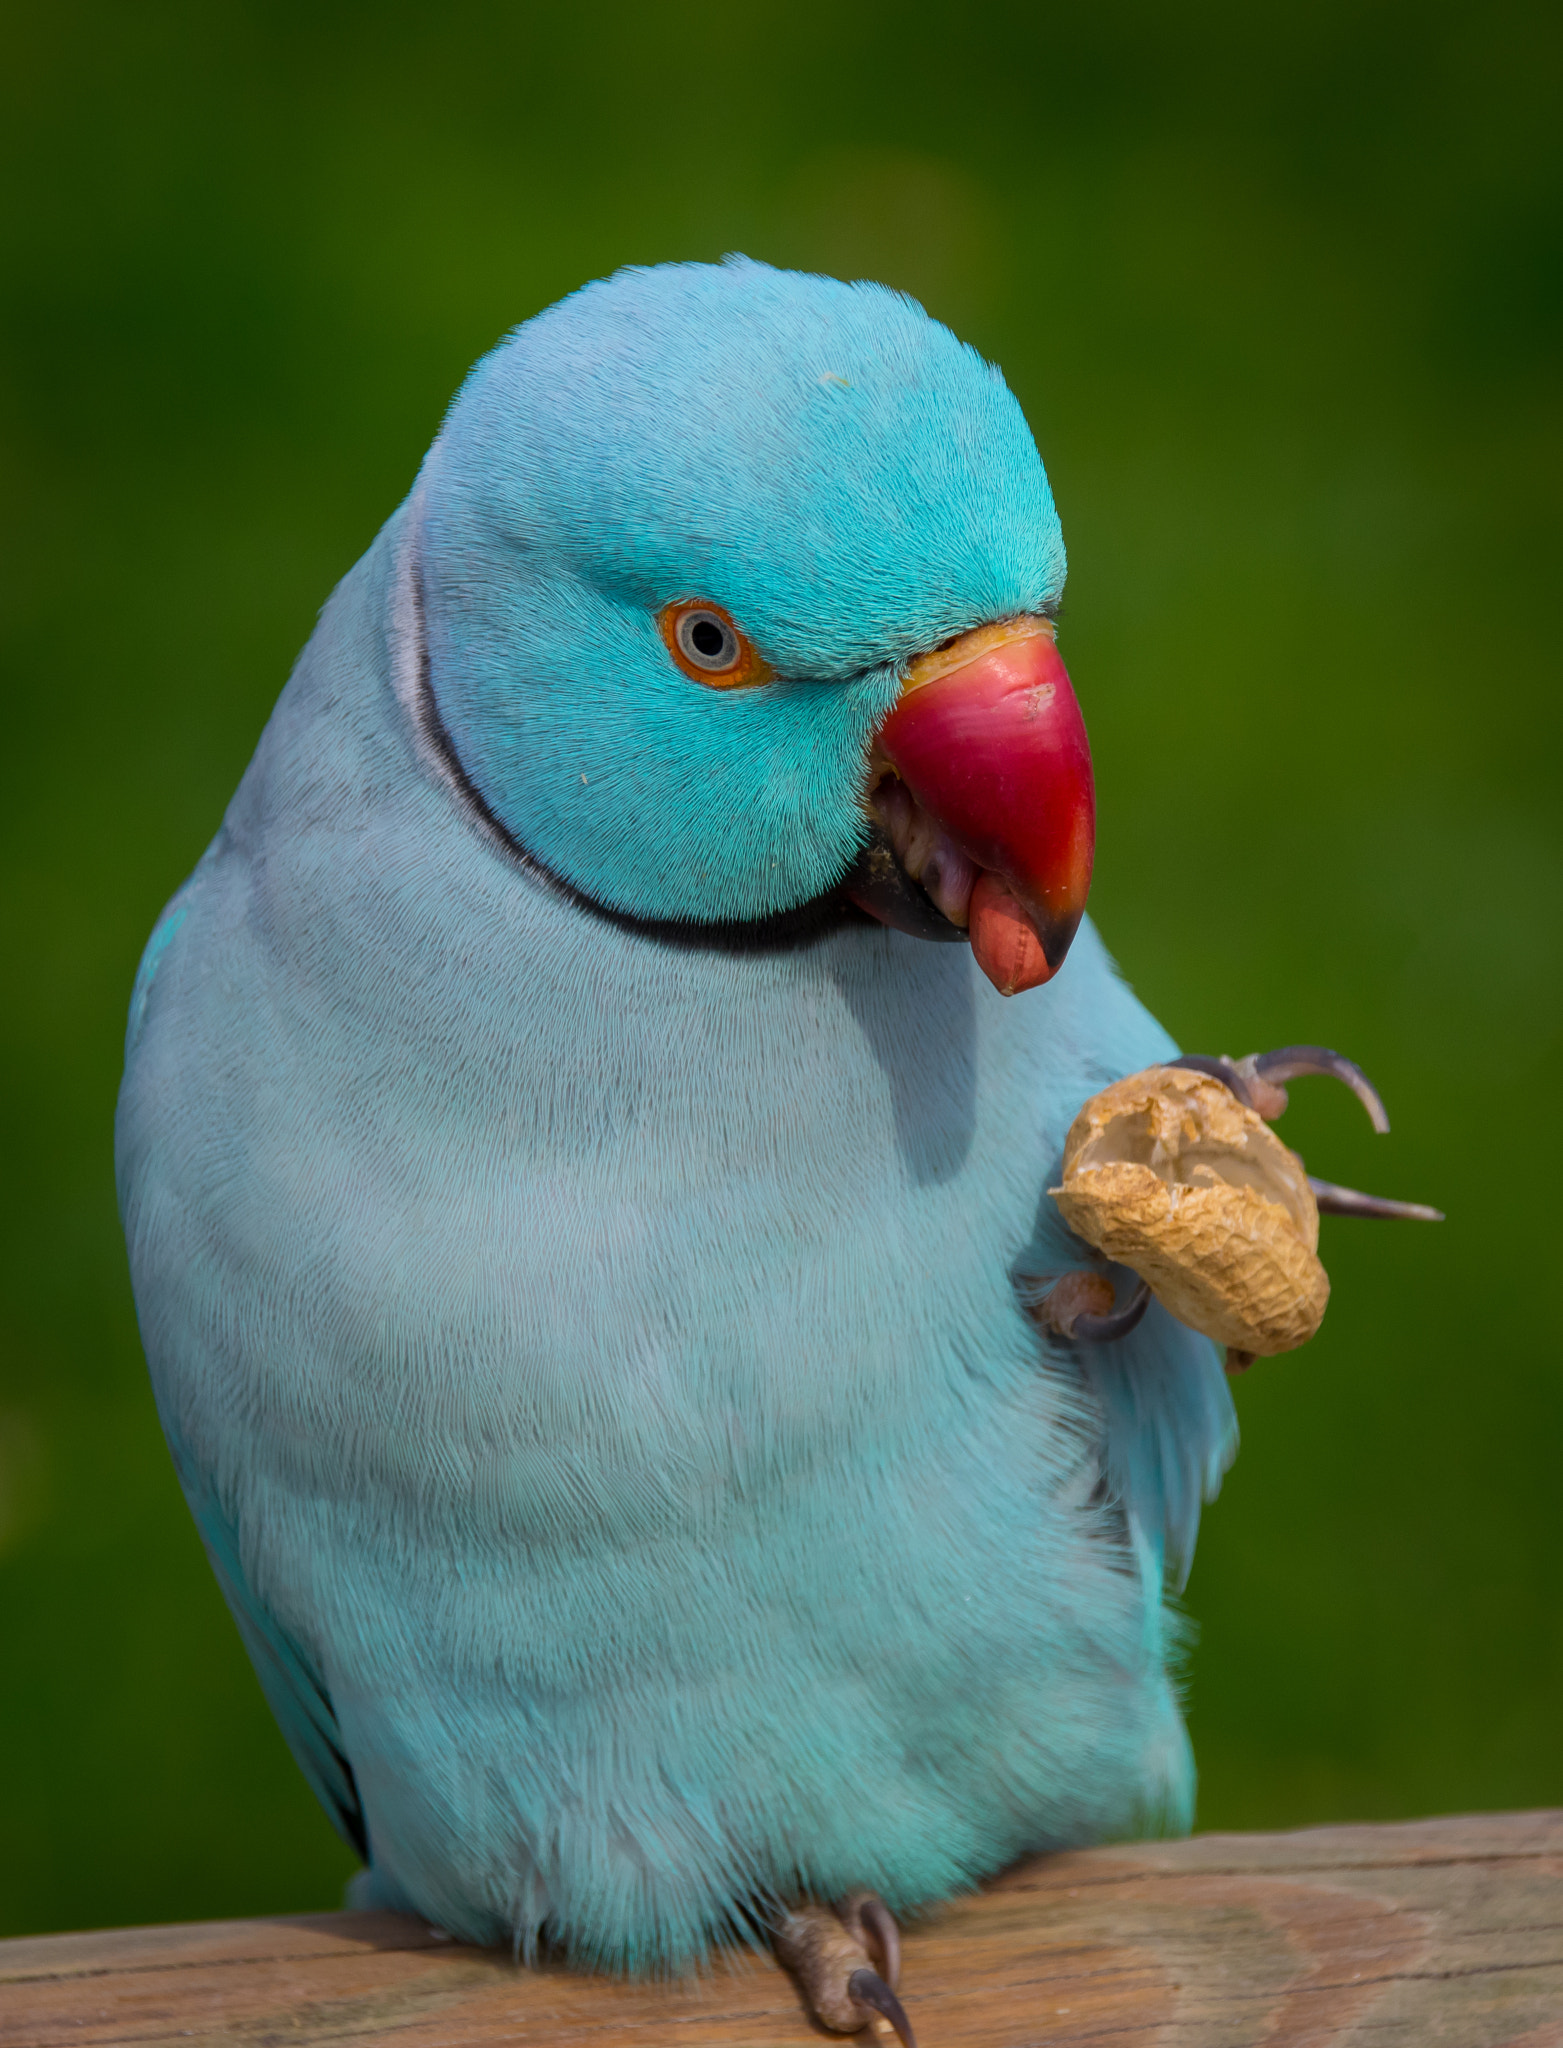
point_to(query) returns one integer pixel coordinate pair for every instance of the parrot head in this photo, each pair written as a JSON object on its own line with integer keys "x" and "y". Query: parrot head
{"x": 738, "y": 590}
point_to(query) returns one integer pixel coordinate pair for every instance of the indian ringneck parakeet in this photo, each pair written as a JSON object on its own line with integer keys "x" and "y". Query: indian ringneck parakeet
{"x": 580, "y": 1208}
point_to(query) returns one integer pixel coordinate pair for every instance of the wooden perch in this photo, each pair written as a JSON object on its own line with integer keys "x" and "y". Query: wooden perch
{"x": 1444, "y": 1931}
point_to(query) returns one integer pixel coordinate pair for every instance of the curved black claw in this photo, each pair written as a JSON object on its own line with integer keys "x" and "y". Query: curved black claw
{"x": 1338, "y": 1201}
{"x": 1107, "y": 1329}
{"x": 875, "y": 1919}
{"x": 1291, "y": 1062}
{"x": 870, "y": 1989}
{"x": 1257, "y": 1082}
{"x": 1077, "y": 1305}
{"x": 831, "y": 1952}
{"x": 1271, "y": 1070}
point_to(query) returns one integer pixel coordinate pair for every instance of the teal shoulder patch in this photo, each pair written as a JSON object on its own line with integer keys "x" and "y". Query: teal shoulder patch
{"x": 163, "y": 934}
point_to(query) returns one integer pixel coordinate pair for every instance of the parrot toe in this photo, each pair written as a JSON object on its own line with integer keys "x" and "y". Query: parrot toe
{"x": 1082, "y": 1306}
{"x": 847, "y": 1960}
{"x": 1174, "y": 1174}
{"x": 1258, "y": 1083}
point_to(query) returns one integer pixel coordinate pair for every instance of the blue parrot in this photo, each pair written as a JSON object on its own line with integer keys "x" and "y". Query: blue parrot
{"x": 581, "y": 1205}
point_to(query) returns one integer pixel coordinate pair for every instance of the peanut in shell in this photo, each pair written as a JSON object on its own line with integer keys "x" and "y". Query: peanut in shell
{"x": 1166, "y": 1172}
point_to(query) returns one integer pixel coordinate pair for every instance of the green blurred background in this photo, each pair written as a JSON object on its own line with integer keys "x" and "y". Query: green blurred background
{"x": 1281, "y": 291}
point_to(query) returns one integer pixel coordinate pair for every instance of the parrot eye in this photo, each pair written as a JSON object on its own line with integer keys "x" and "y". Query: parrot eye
{"x": 709, "y": 642}
{"x": 708, "y": 647}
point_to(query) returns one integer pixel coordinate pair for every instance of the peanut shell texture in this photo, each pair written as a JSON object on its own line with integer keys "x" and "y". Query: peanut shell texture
{"x": 1168, "y": 1173}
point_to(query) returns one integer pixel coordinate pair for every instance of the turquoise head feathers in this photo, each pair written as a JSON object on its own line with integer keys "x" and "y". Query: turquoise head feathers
{"x": 850, "y": 482}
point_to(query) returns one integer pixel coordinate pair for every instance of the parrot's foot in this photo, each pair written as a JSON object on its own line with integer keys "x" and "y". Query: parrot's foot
{"x": 1175, "y": 1173}
{"x": 847, "y": 1959}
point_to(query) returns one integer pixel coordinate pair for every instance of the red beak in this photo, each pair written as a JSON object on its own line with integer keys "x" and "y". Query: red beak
{"x": 988, "y": 739}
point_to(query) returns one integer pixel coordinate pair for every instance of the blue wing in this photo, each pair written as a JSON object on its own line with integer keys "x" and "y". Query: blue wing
{"x": 1170, "y": 1431}
{"x": 292, "y": 1687}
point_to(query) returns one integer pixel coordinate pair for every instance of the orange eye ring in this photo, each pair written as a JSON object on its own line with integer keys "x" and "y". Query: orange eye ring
{"x": 709, "y": 648}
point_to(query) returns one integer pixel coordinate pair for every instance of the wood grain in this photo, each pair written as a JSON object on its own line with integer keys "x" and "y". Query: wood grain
{"x": 1440, "y": 1932}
